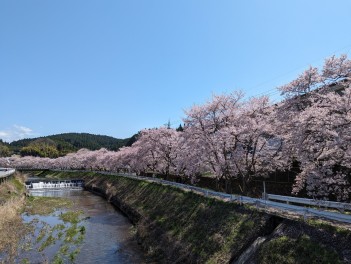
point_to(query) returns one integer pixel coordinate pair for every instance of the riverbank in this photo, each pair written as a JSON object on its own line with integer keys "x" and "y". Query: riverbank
{"x": 12, "y": 202}
{"x": 175, "y": 226}
{"x": 21, "y": 239}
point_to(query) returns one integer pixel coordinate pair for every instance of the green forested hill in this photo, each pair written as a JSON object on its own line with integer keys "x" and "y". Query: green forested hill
{"x": 4, "y": 149}
{"x": 61, "y": 144}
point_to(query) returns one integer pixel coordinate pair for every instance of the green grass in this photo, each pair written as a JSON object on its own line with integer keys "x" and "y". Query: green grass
{"x": 18, "y": 184}
{"x": 46, "y": 205}
{"x": 62, "y": 174}
{"x": 326, "y": 226}
{"x": 285, "y": 250}
{"x": 50, "y": 240}
{"x": 72, "y": 217}
{"x": 12, "y": 188}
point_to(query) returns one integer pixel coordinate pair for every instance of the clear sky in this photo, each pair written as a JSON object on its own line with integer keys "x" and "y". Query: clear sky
{"x": 113, "y": 67}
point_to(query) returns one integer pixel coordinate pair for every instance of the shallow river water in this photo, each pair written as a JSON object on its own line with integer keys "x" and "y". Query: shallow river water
{"x": 108, "y": 236}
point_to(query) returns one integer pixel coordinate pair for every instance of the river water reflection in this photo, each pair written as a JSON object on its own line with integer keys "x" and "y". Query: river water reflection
{"x": 108, "y": 236}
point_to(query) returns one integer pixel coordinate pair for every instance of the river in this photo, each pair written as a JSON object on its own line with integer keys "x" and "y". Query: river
{"x": 108, "y": 237}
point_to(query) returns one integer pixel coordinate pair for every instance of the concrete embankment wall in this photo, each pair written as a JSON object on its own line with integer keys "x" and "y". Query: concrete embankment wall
{"x": 175, "y": 226}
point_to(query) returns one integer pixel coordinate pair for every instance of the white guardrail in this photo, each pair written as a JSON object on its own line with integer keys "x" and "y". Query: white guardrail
{"x": 5, "y": 172}
{"x": 265, "y": 204}
{"x": 313, "y": 202}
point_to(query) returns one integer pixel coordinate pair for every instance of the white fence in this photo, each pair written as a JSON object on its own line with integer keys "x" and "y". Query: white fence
{"x": 5, "y": 172}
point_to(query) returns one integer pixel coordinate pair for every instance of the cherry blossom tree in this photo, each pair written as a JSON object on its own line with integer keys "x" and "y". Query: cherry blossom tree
{"x": 130, "y": 159}
{"x": 315, "y": 129}
{"x": 322, "y": 143}
{"x": 158, "y": 149}
{"x": 305, "y": 83}
{"x": 235, "y": 138}
{"x": 202, "y": 125}
{"x": 334, "y": 69}
{"x": 188, "y": 162}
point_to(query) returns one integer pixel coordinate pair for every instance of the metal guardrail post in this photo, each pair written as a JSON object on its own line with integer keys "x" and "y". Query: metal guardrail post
{"x": 305, "y": 215}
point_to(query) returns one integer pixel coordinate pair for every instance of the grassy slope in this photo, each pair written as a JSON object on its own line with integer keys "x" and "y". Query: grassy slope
{"x": 190, "y": 226}
{"x": 12, "y": 229}
{"x": 301, "y": 250}
{"x": 177, "y": 226}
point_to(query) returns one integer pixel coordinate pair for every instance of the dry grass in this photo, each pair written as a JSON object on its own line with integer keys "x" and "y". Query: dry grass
{"x": 12, "y": 228}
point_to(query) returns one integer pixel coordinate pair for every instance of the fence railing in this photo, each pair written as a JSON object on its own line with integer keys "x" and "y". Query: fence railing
{"x": 312, "y": 202}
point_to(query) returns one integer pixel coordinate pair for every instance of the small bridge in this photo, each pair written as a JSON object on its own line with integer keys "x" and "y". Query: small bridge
{"x": 50, "y": 184}
{"x": 5, "y": 173}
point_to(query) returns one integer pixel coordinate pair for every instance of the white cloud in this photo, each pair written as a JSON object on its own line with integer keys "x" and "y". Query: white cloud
{"x": 3, "y": 134}
{"x": 16, "y": 132}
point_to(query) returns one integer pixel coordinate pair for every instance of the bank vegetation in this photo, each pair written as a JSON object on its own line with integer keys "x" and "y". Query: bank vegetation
{"x": 176, "y": 226}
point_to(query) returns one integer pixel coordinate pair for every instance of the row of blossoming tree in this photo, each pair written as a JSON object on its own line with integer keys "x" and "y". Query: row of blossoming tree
{"x": 230, "y": 137}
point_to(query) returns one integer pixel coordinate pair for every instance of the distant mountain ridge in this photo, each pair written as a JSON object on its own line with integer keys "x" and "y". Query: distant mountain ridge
{"x": 61, "y": 144}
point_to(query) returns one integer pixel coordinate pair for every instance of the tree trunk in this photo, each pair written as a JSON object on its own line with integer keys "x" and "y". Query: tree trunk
{"x": 244, "y": 188}
{"x": 228, "y": 185}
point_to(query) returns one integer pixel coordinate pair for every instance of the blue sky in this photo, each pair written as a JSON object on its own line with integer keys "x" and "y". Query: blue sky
{"x": 115, "y": 67}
